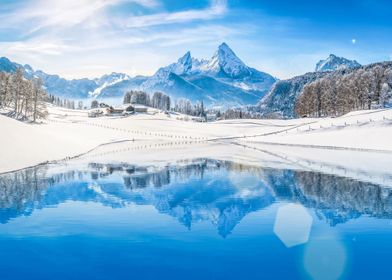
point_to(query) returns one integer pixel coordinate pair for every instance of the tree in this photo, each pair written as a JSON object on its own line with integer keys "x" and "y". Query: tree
{"x": 385, "y": 95}
{"x": 18, "y": 89}
{"x": 39, "y": 97}
{"x": 161, "y": 101}
{"x": 137, "y": 97}
{"x": 24, "y": 99}
{"x": 94, "y": 104}
{"x": 343, "y": 91}
{"x": 80, "y": 105}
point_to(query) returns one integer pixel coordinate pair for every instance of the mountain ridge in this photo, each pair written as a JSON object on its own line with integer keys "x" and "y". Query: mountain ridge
{"x": 333, "y": 63}
{"x": 238, "y": 83}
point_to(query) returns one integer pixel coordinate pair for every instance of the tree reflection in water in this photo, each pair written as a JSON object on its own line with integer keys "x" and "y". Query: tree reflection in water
{"x": 222, "y": 192}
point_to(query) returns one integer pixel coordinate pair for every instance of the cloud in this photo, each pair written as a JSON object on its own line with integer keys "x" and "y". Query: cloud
{"x": 35, "y": 47}
{"x": 41, "y": 14}
{"x": 56, "y": 35}
{"x": 217, "y": 8}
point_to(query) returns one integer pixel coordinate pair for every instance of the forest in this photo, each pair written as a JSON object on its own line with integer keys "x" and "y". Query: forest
{"x": 341, "y": 92}
{"x": 21, "y": 98}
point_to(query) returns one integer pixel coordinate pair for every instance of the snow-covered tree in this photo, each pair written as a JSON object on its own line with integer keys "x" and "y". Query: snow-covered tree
{"x": 94, "y": 104}
{"x": 24, "y": 99}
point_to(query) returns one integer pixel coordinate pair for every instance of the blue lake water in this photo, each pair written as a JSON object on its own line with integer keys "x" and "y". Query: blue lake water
{"x": 202, "y": 219}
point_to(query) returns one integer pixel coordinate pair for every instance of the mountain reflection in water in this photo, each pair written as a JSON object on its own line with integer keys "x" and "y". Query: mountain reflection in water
{"x": 221, "y": 192}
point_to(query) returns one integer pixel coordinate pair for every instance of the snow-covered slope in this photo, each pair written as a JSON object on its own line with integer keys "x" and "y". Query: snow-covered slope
{"x": 108, "y": 80}
{"x": 280, "y": 101}
{"x": 333, "y": 63}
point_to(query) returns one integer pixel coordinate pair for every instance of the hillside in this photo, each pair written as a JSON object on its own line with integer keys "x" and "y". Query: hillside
{"x": 68, "y": 133}
{"x": 281, "y": 100}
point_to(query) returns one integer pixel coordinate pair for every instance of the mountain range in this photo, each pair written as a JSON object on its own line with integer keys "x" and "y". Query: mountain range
{"x": 223, "y": 79}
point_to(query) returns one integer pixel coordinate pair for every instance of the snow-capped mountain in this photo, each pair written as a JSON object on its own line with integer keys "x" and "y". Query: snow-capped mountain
{"x": 225, "y": 63}
{"x": 8, "y": 66}
{"x": 111, "y": 85}
{"x": 281, "y": 99}
{"x": 54, "y": 84}
{"x": 333, "y": 63}
{"x": 108, "y": 80}
{"x": 223, "y": 79}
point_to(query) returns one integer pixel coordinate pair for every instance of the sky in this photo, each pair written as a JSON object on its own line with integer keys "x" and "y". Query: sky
{"x": 89, "y": 38}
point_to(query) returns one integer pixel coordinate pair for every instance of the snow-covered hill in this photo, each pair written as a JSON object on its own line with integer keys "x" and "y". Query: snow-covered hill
{"x": 333, "y": 63}
{"x": 280, "y": 100}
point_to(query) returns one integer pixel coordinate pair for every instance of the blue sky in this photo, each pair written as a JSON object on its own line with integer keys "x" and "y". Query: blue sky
{"x": 87, "y": 38}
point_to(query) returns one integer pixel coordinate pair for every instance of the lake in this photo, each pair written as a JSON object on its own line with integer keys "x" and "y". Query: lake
{"x": 200, "y": 218}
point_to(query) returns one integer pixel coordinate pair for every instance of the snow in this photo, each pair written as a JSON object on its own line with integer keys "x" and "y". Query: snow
{"x": 107, "y": 81}
{"x": 226, "y": 60}
{"x": 69, "y": 133}
{"x": 333, "y": 63}
{"x": 224, "y": 66}
{"x": 361, "y": 130}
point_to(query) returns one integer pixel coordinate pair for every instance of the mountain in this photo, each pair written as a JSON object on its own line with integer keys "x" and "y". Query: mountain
{"x": 223, "y": 79}
{"x": 8, "y": 66}
{"x": 333, "y": 63}
{"x": 54, "y": 84}
{"x": 107, "y": 81}
{"x": 280, "y": 100}
{"x": 119, "y": 88}
{"x": 112, "y": 85}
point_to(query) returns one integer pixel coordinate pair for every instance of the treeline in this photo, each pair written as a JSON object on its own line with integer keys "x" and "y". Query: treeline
{"x": 343, "y": 91}
{"x": 158, "y": 100}
{"x": 239, "y": 113}
{"x": 185, "y": 106}
{"x": 65, "y": 103}
{"x": 22, "y": 98}
{"x": 163, "y": 102}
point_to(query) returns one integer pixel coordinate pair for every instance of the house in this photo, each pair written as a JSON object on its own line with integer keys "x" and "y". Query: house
{"x": 114, "y": 111}
{"x": 140, "y": 109}
{"x": 95, "y": 113}
{"x": 129, "y": 110}
{"x": 211, "y": 117}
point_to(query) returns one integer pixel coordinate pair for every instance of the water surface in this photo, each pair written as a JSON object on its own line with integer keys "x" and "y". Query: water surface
{"x": 195, "y": 219}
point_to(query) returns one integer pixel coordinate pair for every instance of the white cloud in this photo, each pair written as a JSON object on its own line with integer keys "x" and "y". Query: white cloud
{"x": 60, "y": 13}
{"x": 216, "y": 9}
{"x": 35, "y": 47}
{"x": 78, "y": 38}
